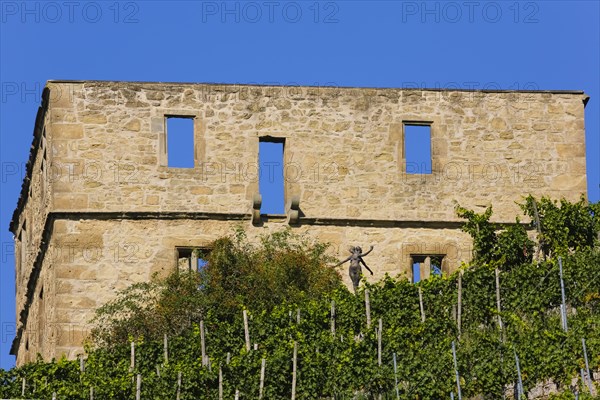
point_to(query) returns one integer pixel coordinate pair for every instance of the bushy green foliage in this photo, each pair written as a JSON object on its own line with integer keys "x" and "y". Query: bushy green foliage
{"x": 283, "y": 267}
{"x": 344, "y": 365}
{"x": 564, "y": 226}
{"x": 496, "y": 243}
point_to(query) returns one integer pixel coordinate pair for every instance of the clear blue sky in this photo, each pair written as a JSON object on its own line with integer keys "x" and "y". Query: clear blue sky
{"x": 509, "y": 45}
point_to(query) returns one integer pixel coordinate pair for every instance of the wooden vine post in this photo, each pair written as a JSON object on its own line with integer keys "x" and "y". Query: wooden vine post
{"x": 294, "y": 367}
{"x": 379, "y": 330}
{"x": 564, "y": 298}
{"x": 246, "y": 331}
{"x": 368, "y": 308}
{"x": 138, "y": 387}
{"x": 421, "y": 305}
{"x": 538, "y": 226}
{"x": 396, "y": 378}
{"x": 262, "y": 378}
{"x": 220, "y": 383}
{"x": 166, "y": 348}
{"x": 81, "y": 364}
{"x": 459, "y": 311}
{"x": 498, "y": 307}
{"x": 132, "y": 361}
{"x": 332, "y": 317}
{"x": 202, "y": 343}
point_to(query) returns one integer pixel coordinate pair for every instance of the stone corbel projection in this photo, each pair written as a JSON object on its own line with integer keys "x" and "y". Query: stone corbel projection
{"x": 256, "y": 203}
{"x": 294, "y": 211}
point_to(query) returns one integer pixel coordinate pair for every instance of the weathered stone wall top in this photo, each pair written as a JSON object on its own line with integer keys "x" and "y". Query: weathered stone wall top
{"x": 344, "y": 148}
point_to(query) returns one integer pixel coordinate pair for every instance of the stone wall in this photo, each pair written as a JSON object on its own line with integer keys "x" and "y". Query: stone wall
{"x": 343, "y": 148}
{"x": 111, "y": 212}
{"x": 93, "y": 259}
{"x": 34, "y": 284}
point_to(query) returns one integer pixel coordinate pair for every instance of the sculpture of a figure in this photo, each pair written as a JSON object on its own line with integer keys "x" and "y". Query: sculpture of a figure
{"x": 355, "y": 260}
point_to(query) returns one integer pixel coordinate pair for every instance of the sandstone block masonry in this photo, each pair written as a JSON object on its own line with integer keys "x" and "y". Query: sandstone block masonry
{"x": 101, "y": 208}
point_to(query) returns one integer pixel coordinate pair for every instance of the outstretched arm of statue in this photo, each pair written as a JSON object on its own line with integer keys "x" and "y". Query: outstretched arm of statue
{"x": 341, "y": 262}
{"x": 370, "y": 250}
{"x": 365, "y": 264}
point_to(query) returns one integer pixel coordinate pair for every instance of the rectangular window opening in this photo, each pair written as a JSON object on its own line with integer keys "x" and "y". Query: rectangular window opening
{"x": 270, "y": 172}
{"x": 417, "y": 148}
{"x": 192, "y": 258}
{"x": 423, "y": 266}
{"x": 180, "y": 142}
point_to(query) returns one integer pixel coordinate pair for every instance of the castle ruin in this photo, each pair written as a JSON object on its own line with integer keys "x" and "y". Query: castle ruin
{"x": 101, "y": 207}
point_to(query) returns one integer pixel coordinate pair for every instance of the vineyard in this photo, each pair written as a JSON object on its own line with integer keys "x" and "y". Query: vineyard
{"x": 522, "y": 318}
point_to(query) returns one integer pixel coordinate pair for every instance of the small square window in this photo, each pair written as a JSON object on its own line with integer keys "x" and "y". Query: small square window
{"x": 423, "y": 266}
{"x": 192, "y": 258}
{"x": 180, "y": 141}
{"x": 417, "y": 147}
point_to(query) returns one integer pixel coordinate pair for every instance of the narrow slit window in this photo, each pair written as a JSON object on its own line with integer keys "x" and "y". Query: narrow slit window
{"x": 180, "y": 142}
{"x": 417, "y": 148}
{"x": 416, "y": 272}
{"x": 271, "y": 180}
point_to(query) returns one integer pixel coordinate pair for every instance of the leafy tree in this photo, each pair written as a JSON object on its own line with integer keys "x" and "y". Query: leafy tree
{"x": 283, "y": 267}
